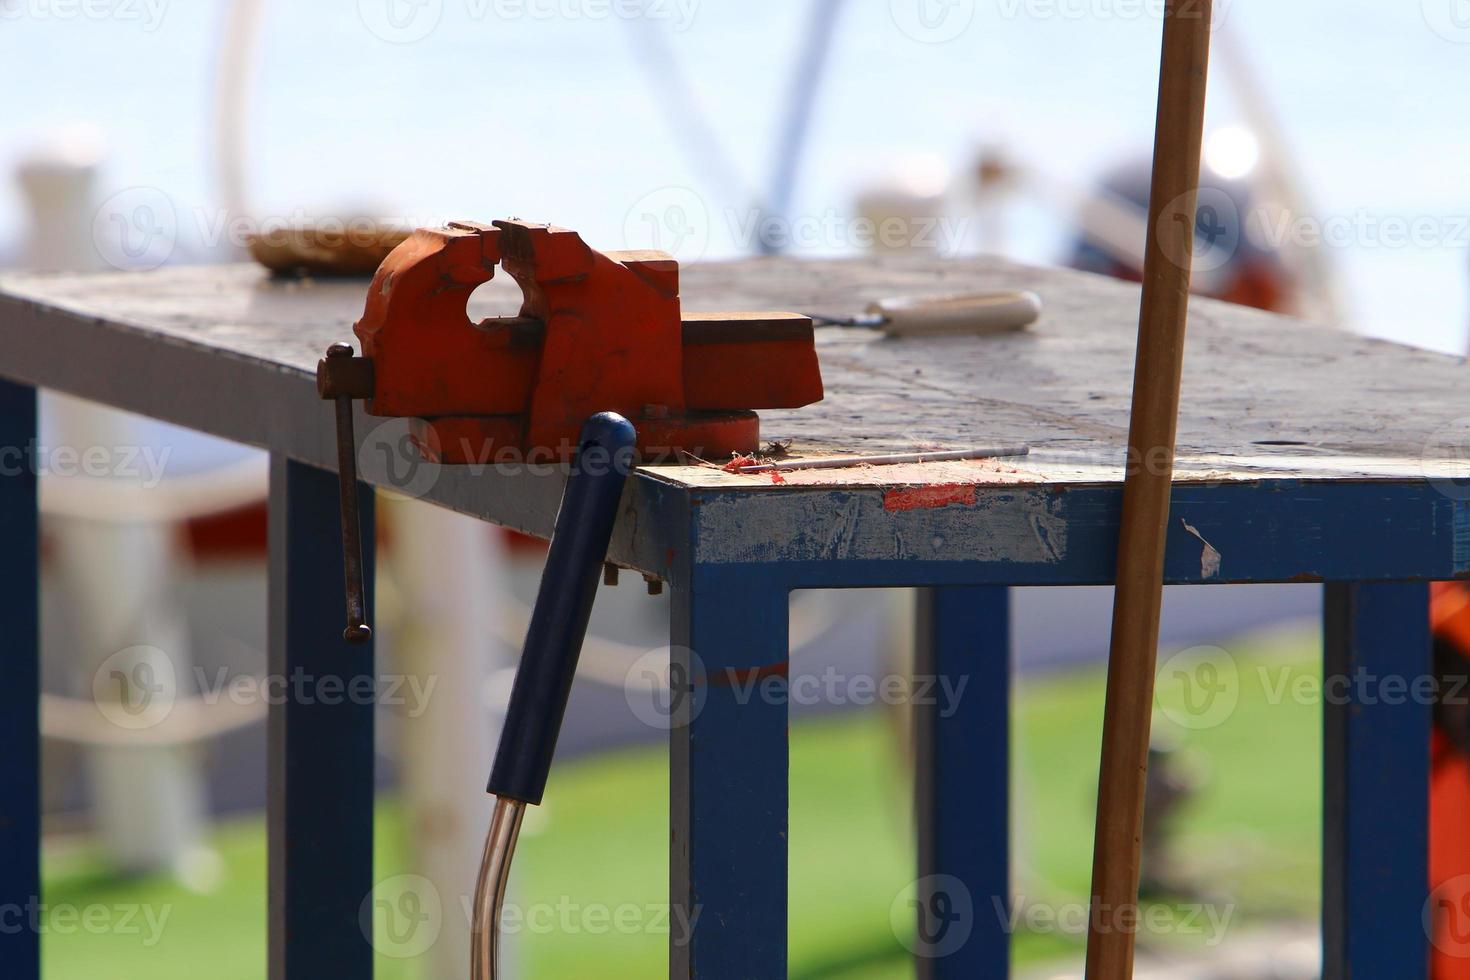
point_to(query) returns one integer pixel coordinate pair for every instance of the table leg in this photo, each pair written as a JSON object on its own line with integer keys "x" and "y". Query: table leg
{"x": 1376, "y": 780}
{"x": 728, "y": 773}
{"x": 963, "y": 899}
{"x": 20, "y": 722}
{"x": 320, "y": 755}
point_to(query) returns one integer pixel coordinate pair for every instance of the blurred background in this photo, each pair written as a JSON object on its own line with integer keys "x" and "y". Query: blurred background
{"x": 150, "y": 132}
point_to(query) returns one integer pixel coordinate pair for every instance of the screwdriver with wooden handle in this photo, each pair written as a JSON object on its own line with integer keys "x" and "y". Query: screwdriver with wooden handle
{"x": 967, "y": 314}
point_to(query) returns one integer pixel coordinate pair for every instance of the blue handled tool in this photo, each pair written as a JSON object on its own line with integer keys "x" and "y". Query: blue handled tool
{"x": 538, "y": 700}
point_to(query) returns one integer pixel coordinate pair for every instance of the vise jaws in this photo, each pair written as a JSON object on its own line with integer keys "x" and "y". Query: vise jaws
{"x": 596, "y": 332}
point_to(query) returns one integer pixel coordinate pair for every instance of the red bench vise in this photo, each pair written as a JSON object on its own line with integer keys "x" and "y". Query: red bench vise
{"x": 597, "y": 331}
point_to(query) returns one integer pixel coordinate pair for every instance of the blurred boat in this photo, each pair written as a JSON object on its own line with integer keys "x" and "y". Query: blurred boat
{"x": 1235, "y": 260}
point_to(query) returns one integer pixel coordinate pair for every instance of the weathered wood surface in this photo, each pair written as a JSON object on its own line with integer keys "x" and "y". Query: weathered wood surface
{"x": 1263, "y": 395}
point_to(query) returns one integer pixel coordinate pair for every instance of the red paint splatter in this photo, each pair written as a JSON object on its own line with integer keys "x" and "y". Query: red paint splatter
{"x": 738, "y": 463}
{"x": 925, "y": 498}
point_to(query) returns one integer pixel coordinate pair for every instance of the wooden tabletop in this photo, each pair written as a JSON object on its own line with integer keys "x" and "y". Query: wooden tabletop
{"x": 1263, "y": 395}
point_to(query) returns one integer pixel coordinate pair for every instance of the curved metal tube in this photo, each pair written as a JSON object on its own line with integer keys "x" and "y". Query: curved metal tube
{"x": 538, "y": 699}
{"x": 500, "y": 848}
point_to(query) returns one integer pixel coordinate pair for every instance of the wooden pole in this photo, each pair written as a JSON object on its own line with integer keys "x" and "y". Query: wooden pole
{"x": 1179, "y": 131}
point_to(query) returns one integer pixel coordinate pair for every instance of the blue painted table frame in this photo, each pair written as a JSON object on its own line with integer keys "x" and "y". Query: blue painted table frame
{"x": 226, "y": 352}
{"x": 1374, "y": 543}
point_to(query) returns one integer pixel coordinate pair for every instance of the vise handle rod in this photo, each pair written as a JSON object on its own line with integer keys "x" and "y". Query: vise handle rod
{"x": 543, "y": 682}
{"x": 340, "y": 378}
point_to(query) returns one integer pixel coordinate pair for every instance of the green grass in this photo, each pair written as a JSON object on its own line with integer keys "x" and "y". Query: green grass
{"x": 601, "y": 843}
{"x": 1251, "y": 837}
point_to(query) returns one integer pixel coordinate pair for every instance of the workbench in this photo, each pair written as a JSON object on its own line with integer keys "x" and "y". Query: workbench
{"x": 1306, "y": 454}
